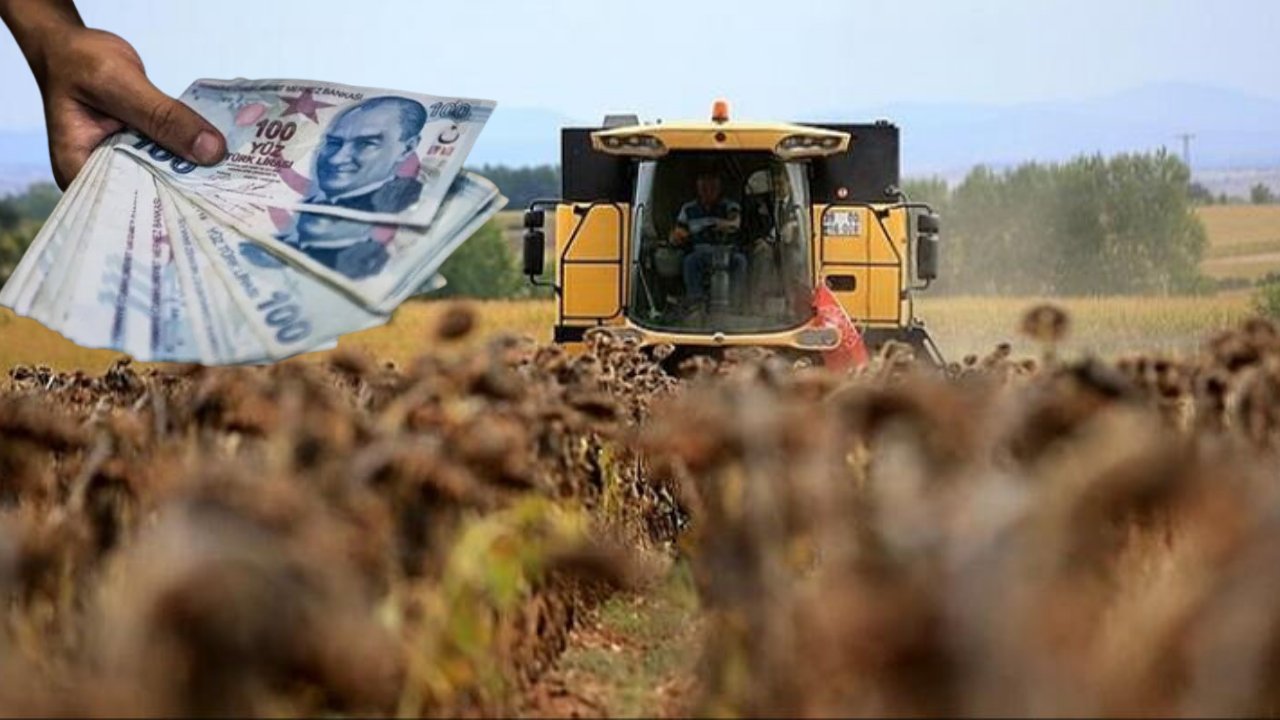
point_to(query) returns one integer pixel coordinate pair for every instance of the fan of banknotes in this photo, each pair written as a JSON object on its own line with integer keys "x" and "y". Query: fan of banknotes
{"x": 334, "y": 205}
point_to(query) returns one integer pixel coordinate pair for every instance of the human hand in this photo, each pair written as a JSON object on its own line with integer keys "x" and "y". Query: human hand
{"x": 94, "y": 84}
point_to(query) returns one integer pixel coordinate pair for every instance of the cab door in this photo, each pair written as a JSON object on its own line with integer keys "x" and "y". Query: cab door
{"x": 591, "y": 241}
{"x": 860, "y": 255}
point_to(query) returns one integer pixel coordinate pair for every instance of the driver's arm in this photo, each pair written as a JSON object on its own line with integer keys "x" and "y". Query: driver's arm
{"x": 732, "y": 223}
{"x": 680, "y": 232}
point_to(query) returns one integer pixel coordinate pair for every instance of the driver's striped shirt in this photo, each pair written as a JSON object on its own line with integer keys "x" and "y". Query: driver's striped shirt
{"x": 698, "y": 219}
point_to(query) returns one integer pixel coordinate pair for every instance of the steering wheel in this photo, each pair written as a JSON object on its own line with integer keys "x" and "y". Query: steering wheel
{"x": 722, "y": 235}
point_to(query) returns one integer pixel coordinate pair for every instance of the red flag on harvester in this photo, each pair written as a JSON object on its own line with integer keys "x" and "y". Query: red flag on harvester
{"x": 851, "y": 352}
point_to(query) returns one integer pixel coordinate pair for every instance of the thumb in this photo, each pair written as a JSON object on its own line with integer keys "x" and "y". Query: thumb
{"x": 171, "y": 124}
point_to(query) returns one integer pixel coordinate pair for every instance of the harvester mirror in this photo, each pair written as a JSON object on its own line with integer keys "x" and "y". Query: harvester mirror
{"x": 927, "y": 224}
{"x": 927, "y": 227}
{"x": 534, "y": 218}
{"x": 535, "y": 250}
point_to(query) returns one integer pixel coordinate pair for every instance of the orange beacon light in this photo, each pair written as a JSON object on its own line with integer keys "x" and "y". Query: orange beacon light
{"x": 720, "y": 111}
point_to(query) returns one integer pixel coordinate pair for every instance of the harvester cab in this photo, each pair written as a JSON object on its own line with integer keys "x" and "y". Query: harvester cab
{"x": 719, "y": 233}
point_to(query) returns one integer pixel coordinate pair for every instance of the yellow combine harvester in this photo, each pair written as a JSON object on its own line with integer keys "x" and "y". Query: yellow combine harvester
{"x": 715, "y": 234}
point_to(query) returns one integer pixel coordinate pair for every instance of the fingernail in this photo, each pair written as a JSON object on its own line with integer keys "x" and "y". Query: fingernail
{"x": 207, "y": 149}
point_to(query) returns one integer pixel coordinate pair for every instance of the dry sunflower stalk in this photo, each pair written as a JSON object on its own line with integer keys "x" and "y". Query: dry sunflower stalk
{"x": 293, "y": 540}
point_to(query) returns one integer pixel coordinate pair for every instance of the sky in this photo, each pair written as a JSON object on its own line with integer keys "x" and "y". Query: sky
{"x": 671, "y": 58}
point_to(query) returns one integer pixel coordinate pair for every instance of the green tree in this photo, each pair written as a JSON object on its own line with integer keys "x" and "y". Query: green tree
{"x": 20, "y": 220}
{"x": 38, "y": 201}
{"x": 994, "y": 235}
{"x": 1152, "y": 231}
{"x": 13, "y": 243}
{"x": 9, "y": 215}
{"x": 1266, "y": 299}
{"x": 483, "y": 267}
{"x": 1261, "y": 194}
{"x": 523, "y": 185}
{"x": 1089, "y": 226}
{"x": 1200, "y": 194}
{"x": 931, "y": 190}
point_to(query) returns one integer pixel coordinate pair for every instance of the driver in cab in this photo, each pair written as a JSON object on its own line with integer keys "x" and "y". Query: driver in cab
{"x": 705, "y": 222}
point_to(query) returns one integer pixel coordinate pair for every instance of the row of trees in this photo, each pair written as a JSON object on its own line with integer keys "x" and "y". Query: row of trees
{"x": 1094, "y": 225}
{"x": 1259, "y": 194}
{"x": 485, "y": 266}
{"x": 523, "y": 185}
{"x": 1124, "y": 224}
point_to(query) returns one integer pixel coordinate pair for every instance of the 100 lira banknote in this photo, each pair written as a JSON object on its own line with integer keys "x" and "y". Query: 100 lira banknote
{"x": 325, "y": 148}
{"x": 334, "y": 205}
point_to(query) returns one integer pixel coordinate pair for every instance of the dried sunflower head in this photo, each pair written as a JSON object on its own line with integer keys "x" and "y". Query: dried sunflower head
{"x": 1046, "y": 323}
{"x": 458, "y": 320}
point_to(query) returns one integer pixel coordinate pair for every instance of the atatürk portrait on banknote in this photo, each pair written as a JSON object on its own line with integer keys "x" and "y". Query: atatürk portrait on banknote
{"x": 347, "y": 246}
{"x": 361, "y": 165}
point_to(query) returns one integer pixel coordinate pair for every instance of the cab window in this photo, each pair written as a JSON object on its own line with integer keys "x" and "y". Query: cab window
{"x": 722, "y": 244}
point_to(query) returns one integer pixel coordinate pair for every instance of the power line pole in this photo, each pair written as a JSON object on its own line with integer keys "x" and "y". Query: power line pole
{"x": 1186, "y": 139}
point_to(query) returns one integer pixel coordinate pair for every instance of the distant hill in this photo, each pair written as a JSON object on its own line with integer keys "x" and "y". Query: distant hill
{"x": 16, "y": 178}
{"x": 24, "y": 159}
{"x": 520, "y": 137}
{"x": 1233, "y": 130}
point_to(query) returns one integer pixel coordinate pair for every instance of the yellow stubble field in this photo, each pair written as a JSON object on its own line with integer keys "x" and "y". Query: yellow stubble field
{"x": 1244, "y": 240}
{"x": 962, "y": 325}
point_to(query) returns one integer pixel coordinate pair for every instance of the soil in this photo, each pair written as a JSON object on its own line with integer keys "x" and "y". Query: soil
{"x": 636, "y": 655}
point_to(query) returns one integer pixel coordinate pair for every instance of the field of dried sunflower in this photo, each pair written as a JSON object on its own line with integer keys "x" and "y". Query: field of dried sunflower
{"x": 1048, "y": 534}
{"x": 315, "y": 538}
